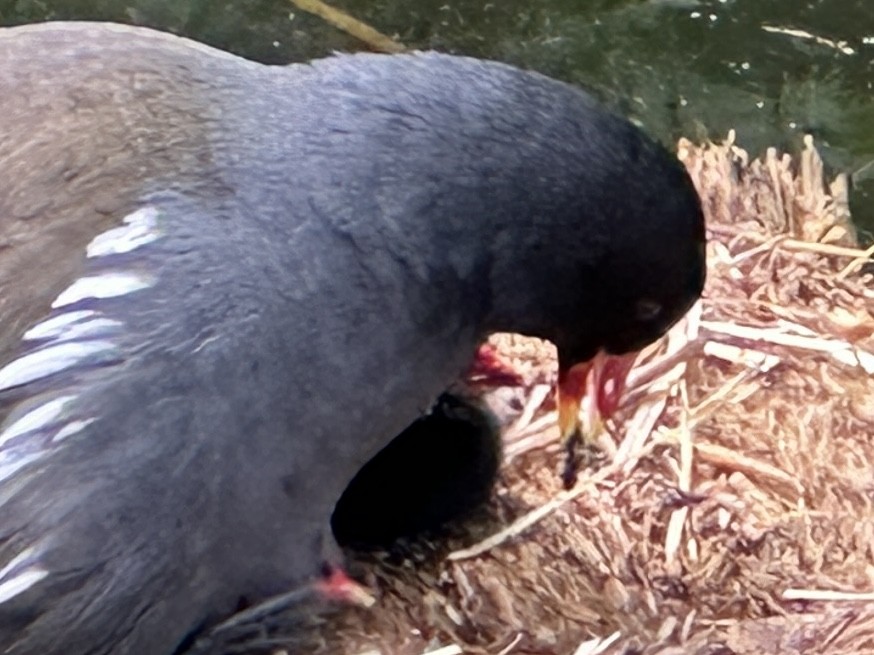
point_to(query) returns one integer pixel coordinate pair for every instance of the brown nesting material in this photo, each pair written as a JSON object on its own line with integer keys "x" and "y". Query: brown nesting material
{"x": 733, "y": 513}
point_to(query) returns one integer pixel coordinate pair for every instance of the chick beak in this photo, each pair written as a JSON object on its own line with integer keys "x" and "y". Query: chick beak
{"x": 588, "y": 395}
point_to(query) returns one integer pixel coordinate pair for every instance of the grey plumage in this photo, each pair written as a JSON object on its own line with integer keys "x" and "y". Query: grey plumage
{"x": 331, "y": 241}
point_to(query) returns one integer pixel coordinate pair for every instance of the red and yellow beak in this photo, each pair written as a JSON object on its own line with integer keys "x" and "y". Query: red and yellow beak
{"x": 588, "y": 394}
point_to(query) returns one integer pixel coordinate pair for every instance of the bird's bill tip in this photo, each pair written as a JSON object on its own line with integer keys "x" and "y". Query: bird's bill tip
{"x": 572, "y": 383}
{"x": 589, "y": 393}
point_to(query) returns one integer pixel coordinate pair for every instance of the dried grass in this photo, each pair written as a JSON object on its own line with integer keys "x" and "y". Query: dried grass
{"x": 734, "y": 511}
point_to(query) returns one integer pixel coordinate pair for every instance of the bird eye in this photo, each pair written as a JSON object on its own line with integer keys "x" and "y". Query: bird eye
{"x": 647, "y": 310}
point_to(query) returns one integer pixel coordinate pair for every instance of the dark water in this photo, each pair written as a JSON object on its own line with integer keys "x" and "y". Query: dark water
{"x": 772, "y": 69}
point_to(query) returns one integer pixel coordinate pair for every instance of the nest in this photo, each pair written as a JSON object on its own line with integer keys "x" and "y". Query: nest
{"x": 733, "y": 511}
